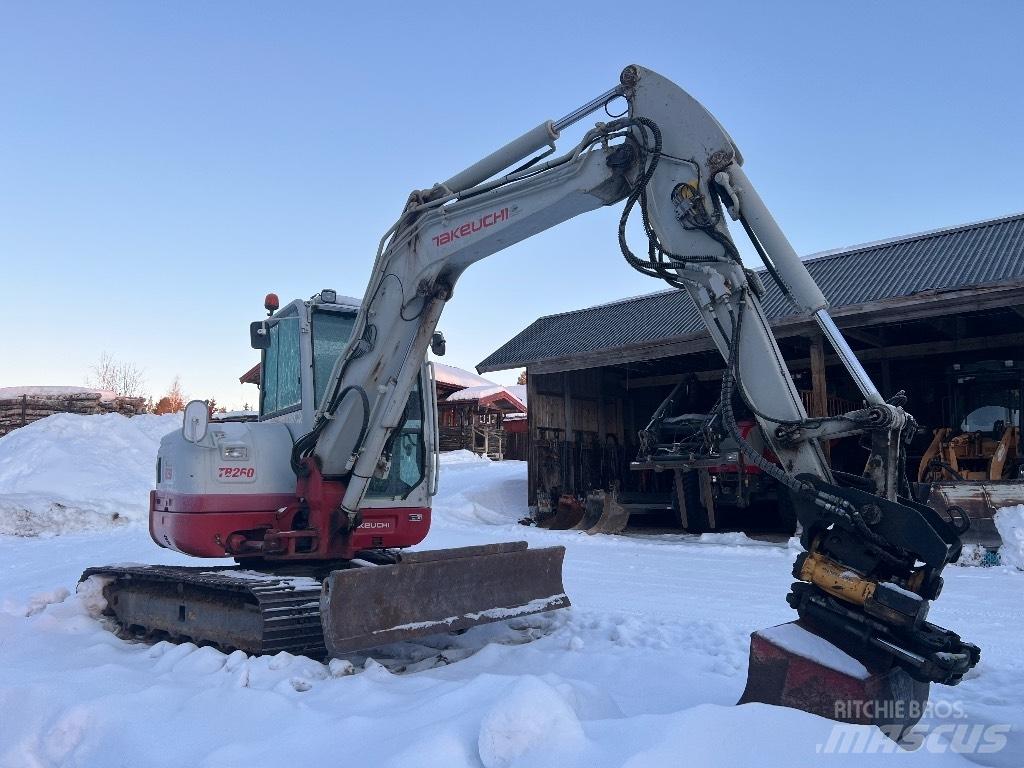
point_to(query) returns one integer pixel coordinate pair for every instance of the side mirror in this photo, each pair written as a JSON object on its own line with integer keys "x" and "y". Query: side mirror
{"x": 197, "y": 421}
{"x": 259, "y": 335}
{"x": 437, "y": 344}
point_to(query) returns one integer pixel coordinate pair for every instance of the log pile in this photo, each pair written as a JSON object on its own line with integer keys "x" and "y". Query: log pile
{"x": 16, "y": 412}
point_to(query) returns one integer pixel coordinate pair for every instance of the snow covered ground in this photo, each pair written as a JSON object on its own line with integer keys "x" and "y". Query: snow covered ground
{"x": 643, "y": 670}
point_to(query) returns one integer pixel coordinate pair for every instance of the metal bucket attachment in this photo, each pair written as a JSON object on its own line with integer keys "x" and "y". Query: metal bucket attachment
{"x": 438, "y": 591}
{"x": 980, "y": 500}
{"x": 566, "y": 515}
{"x": 603, "y": 514}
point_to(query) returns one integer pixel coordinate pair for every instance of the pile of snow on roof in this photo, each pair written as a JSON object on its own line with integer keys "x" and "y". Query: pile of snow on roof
{"x": 457, "y": 377}
{"x": 482, "y": 392}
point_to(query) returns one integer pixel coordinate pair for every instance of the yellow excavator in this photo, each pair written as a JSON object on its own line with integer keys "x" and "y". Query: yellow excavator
{"x": 974, "y": 463}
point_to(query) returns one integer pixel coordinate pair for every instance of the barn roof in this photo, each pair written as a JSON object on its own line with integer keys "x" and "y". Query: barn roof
{"x": 978, "y": 254}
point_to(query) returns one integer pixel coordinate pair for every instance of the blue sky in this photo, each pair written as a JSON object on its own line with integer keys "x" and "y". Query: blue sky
{"x": 163, "y": 166}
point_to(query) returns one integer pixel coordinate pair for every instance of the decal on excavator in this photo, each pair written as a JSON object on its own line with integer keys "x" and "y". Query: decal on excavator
{"x": 377, "y": 525}
{"x": 242, "y": 472}
{"x": 463, "y": 230}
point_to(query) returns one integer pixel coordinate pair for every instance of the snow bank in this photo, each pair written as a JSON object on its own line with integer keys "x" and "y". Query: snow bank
{"x": 462, "y": 456}
{"x": 69, "y": 472}
{"x": 474, "y": 490}
{"x": 1010, "y": 524}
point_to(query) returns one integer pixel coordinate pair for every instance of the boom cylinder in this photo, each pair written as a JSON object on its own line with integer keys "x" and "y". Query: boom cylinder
{"x": 802, "y": 288}
{"x": 517, "y": 149}
{"x": 532, "y": 141}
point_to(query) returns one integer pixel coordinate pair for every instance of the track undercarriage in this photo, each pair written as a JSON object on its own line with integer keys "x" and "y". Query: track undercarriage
{"x": 330, "y": 609}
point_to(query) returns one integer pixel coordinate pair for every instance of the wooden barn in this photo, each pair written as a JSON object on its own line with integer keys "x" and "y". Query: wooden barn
{"x": 488, "y": 419}
{"x": 920, "y": 311}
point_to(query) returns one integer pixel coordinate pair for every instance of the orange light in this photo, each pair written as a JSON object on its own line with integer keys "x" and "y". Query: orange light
{"x": 271, "y": 303}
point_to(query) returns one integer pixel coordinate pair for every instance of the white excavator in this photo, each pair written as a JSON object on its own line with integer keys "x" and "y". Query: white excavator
{"x": 318, "y": 499}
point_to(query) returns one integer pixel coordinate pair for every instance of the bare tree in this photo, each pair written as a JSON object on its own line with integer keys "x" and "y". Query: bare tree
{"x": 522, "y": 377}
{"x": 122, "y": 378}
{"x": 173, "y": 401}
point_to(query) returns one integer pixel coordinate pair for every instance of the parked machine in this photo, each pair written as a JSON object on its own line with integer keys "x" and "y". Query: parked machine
{"x": 713, "y": 481}
{"x": 317, "y": 500}
{"x": 975, "y": 463}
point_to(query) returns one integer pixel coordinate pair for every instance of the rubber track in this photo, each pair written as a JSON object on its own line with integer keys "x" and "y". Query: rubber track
{"x": 290, "y": 606}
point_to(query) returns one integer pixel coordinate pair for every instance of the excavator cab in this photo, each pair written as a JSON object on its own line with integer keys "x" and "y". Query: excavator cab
{"x": 307, "y": 337}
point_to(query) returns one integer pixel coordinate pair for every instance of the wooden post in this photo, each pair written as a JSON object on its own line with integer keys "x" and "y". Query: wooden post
{"x": 570, "y": 437}
{"x": 531, "y": 427}
{"x": 819, "y": 389}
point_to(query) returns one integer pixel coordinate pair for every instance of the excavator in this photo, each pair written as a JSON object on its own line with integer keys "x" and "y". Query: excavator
{"x": 317, "y": 501}
{"x": 973, "y": 467}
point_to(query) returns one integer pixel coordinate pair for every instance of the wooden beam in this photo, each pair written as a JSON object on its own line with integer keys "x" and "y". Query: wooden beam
{"x": 531, "y": 464}
{"x": 924, "y": 349}
{"x": 671, "y": 379}
{"x": 819, "y": 396}
{"x": 819, "y": 389}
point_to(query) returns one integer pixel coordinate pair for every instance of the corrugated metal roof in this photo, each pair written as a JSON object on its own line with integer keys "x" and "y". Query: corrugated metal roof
{"x": 959, "y": 257}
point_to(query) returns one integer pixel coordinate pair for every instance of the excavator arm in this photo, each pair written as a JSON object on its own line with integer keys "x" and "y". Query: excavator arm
{"x": 873, "y": 556}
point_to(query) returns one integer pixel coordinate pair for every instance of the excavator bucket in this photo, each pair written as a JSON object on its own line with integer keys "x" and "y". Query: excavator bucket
{"x": 566, "y": 515}
{"x": 438, "y": 591}
{"x": 603, "y": 514}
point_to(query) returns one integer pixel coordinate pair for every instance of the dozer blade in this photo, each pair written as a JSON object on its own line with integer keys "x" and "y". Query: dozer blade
{"x": 603, "y": 514}
{"x": 438, "y": 591}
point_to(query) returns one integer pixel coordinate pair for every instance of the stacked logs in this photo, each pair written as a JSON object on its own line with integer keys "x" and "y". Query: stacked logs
{"x": 18, "y": 411}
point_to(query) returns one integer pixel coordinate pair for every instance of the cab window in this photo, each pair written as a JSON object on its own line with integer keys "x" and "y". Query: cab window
{"x": 407, "y": 452}
{"x": 282, "y": 388}
{"x": 331, "y": 331}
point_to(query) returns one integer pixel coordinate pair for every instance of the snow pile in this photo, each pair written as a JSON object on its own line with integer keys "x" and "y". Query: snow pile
{"x": 1010, "y": 524}
{"x": 43, "y": 392}
{"x": 474, "y": 491}
{"x": 462, "y": 456}
{"x": 529, "y": 725}
{"x": 69, "y": 472}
